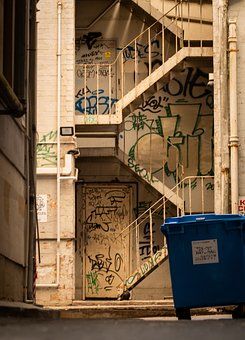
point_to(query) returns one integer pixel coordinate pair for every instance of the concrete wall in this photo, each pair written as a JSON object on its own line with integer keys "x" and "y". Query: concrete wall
{"x": 13, "y": 209}
{"x": 47, "y": 108}
{"x": 237, "y": 11}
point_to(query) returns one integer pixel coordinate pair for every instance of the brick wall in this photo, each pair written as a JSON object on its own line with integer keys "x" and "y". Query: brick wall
{"x": 46, "y": 153}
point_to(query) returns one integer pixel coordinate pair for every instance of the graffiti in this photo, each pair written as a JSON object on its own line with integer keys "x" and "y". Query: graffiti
{"x": 96, "y": 102}
{"x": 46, "y": 155}
{"x": 92, "y": 72}
{"x": 180, "y": 113}
{"x": 141, "y": 171}
{"x": 194, "y": 80}
{"x": 209, "y": 186}
{"x": 98, "y": 52}
{"x": 145, "y": 247}
{"x": 91, "y": 38}
{"x": 145, "y": 268}
{"x": 105, "y": 214}
{"x": 105, "y": 264}
{"x": 115, "y": 196}
{"x": 97, "y": 96}
{"x": 152, "y": 104}
{"x": 142, "y": 51}
{"x": 140, "y": 121}
{"x": 102, "y": 217}
{"x": 93, "y": 282}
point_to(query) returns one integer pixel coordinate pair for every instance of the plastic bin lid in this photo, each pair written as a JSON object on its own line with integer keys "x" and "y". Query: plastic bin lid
{"x": 202, "y": 217}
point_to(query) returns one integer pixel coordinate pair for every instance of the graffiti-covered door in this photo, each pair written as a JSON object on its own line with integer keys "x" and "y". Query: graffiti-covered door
{"x": 106, "y": 211}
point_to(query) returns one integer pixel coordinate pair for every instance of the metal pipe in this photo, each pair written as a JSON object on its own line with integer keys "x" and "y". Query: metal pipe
{"x": 234, "y": 140}
{"x": 97, "y": 90}
{"x": 151, "y": 232}
{"x": 163, "y": 34}
{"x": 149, "y": 54}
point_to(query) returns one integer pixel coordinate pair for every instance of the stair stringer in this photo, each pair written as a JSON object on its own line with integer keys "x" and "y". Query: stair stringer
{"x": 155, "y": 183}
{"x": 143, "y": 271}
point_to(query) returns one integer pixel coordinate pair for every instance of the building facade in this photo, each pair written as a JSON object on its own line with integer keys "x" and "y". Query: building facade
{"x": 17, "y": 149}
{"x": 133, "y": 127}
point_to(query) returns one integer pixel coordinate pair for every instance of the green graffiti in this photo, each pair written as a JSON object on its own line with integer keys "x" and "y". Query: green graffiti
{"x": 46, "y": 155}
{"x": 93, "y": 282}
{"x": 182, "y": 113}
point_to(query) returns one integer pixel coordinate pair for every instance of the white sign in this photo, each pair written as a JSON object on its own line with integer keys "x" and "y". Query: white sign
{"x": 205, "y": 251}
{"x": 241, "y": 205}
{"x": 42, "y": 210}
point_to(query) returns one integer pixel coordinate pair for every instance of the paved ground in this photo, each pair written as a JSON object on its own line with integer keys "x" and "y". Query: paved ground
{"x": 200, "y": 328}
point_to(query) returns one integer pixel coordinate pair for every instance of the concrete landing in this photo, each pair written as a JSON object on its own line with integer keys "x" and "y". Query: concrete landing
{"x": 101, "y": 310}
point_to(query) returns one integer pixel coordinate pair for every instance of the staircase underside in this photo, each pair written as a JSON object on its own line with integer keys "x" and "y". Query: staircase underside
{"x": 98, "y": 152}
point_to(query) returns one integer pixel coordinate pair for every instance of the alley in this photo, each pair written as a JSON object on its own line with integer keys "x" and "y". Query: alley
{"x": 202, "y": 327}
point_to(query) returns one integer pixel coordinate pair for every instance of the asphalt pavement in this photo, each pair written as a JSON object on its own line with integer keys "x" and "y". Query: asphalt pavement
{"x": 199, "y": 328}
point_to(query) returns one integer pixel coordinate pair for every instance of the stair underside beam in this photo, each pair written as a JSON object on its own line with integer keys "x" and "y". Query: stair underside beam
{"x": 143, "y": 271}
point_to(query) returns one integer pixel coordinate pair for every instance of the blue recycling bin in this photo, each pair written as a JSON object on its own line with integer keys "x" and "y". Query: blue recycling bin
{"x": 207, "y": 259}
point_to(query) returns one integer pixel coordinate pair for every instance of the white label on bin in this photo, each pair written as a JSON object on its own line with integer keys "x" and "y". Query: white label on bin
{"x": 205, "y": 251}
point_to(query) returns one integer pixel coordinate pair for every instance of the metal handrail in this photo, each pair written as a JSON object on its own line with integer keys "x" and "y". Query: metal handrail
{"x": 154, "y": 206}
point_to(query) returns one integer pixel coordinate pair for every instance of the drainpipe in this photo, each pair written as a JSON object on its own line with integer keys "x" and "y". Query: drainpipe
{"x": 221, "y": 114}
{"x": 56, "y": 284}
{"x": 232, "y": 39}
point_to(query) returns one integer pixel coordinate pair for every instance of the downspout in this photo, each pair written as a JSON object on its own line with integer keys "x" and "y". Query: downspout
{"x": 221, "y": 116}
{"x": 234, "y": 140}
{"x": 56, "y": 284}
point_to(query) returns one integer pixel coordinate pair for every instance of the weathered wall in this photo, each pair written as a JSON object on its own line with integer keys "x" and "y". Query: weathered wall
{"x": 109, "y": 171}
{"x": 13, "y": 213}
{"x": 47, "y": 109}
{"x": 237, "y": 11}
{"x": 182, "y": 112}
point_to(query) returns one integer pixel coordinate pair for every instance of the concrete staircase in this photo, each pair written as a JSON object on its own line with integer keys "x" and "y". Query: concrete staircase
{"x": 153, "y": 181}
{"x": 132, "y": 99}
{"x": 175, "y": 48}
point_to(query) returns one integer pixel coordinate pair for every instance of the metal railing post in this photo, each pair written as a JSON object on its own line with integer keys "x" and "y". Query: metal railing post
{"x": 149, "y": 44}
{"x": 97, "y": 89}
{"x": 151, "y": 232}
